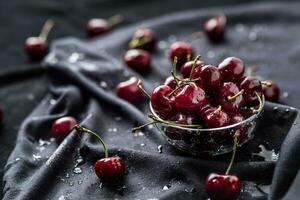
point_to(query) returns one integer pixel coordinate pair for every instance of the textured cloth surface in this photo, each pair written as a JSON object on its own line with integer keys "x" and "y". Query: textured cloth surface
{"x": 82, "y": 76}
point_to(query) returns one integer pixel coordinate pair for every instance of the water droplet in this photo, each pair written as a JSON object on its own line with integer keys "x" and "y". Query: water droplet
{"x": 144, "y": 188}
{"x": 142, "y": 145}
{"x": 67, "y": 175}
{"x": 118, "y": 118}
{"x": 100, "y": 185}
{"x": 17, "y": 159}
{"x": 275, "y": 109}
{"x": 268, "y": 155}
{"x": 166, "y": 187}
{"x": 92, "y": 168}
{"x": 80, "y": 182}
{"x": 114, "y": 129}
{"x": 252, "y": 36}
{"x": 52, "y": 139}
{"x": 74, "y": 57}
{"x": 285, "y": 94}
{"x": 36, "y": 157}
{"x": 190, "y": 190}
{"x": 62, "y": 197}
{"x": 240, "y": 28}
{"x": 52, "y": 102}
{"x": 109, "y": 129}
{"x": 103, "y": 84}
{"x": 211, "y": 54}
{"x": 43, "y": 142}
{"x": 159, "y": 148}
{"x": 77, "y": 170}
{"x": 71, "y": 183}
{"x": 162, "y": 45}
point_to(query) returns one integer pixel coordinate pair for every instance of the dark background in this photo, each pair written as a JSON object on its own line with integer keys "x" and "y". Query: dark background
{"x": 21, "y": 19}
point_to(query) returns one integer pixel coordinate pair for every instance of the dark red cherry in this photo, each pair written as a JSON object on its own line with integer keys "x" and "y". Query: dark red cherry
{"x": 215, "y": 27}
{"x": 186, "y": 69}
{"x": 215, "y": 117}
{"x": 62, "y": 127}
{"x": 137, "y": 59}
{"x": 250, "y": 85}
{"x": 144, "y": 38}
{"x": 223, "y": 187}
{"x": 185, "y": 118}
{"x": 181, "y": 50}
{"x": 232, "y": 69}
{"x": 271, "y": 91}
{"x": 236, "y": 118}
{"x": 225, "y": 91}
{"x": 170, "y": 82}
{"x": 36, "y": 48}
{"x": 97, "y": 26}
{"x": 161, "y": 102}
{"x": 110, "y": 168}
{"x": 129, "y": 90}
{"x": 210, "y": 77}
{"x": 190, "y": 98}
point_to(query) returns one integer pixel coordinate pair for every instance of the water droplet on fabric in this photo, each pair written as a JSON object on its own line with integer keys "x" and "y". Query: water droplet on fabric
{"x": 36, "y": 157}
{"x": 71, "y": 183}
{"x": 211, "y": 54}
{"x": 77, "y": 170}
{"x": 252, "y": 36}
{"x": 103, "y": 84}
{"x": 190, "y": 190}
{"x": 159, "y": 148}
{"x": 166, "y": 187}
{"x": 285, "y": 94}
{"x": 80, "y": 182}
{"x": 162, "y": 45}
{"x": 67, "y": 175}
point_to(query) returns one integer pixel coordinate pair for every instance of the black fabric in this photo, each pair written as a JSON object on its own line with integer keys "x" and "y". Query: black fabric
{"x": 261, "y": 34}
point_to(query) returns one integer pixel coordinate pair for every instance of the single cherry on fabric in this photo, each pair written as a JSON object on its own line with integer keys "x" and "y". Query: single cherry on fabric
{"x": 181, "y": 50}
{"x": 37, "y": 47}
{"x": 215, "y": 27}
{"x": 232, "y": 69}
{"x": 62, "y": 127}
{"x": 99, "y": 26}
{"x": 161, "y": 102}
{"x": 186, "y": 69}
{"x": 271, "y": 91}
{"x": 144, "y": 38}
{"x": 138, "y": 60}
{"x": 129, "y": 90}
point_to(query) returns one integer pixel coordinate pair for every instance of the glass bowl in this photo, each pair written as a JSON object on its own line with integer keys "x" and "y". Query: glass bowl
{"x": 212, "y": 141}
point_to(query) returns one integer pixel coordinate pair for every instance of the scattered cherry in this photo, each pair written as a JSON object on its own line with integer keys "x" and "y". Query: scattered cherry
{"x": 170, "y": 81}
{"x": 144, "y": 38}
{"x": 62, "y": 127}
{"x": 129, "y": 90}
{"x": 232, "y": 69}
{"x": 99, "y": 26}
{"x": 37, "y": 47}
{"x": 186, "y": 69}
{"x": 137, "y": 59}
{"x": 215, "y": 117}
{"x": 250, "y": 85}
{"x": 182, "y": 51}
{"x": 161, "y": 102}
{"x": 271, "y": 91}
{"x": 215, "y": 27}
{"x": 209, "y": 76}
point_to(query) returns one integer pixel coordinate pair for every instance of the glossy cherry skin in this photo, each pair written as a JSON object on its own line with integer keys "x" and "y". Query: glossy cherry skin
{"x": 214, "y": 28}
{"x": 145, "y": 34}
{"x": 229, "y": 89}
{"x": 214, "y": 118}
{"x": 96, "y": 26}
{"x": 62, "y": 127}
{"x": 186, "y": 69}
{"x": 185, "y": 118}
{"x": 271, "y": 92}
{"x": 250, "y": 85}
{"x": 36, "y": 48}
{"x": 170, "y": 82}
{"x": 236, "y": 118}
{"x": 181, "y": 50}
{"x": 110, "y": 168}
{"x": 223, "y": 187}
{"x": 190, "y": 99}
{"x": 210, "y": 77}
{"x": 161, "y": 102}
{"x": 232, "y": 69}
{"x": 129, "y": 90}
{"x": 137, "y": 59}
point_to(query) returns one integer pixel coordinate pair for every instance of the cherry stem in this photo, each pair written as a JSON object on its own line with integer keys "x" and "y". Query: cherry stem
{"x": 142, "y": 126}
{"x": 139, "y": 84}
{"x": 230, "y": 98}
{"x": 172, "y": 123}
{"x": 173, "y": 72}
{"x": 177, "y": 88}
{"x": 83, "y": 129}
{"x": 46, "y": 29}
{"x": 137, "y": 42}
{"x": 223, "y": 18}
{"x": 235, "y": 140}
{"x": 194, "y": 65}
{"x": 260, "y": 103}
{"x": 188, "y": 57}
{"x": 266, "y": 83}
{"x": 114, "y": 20}
{"x": 218, "y": 108}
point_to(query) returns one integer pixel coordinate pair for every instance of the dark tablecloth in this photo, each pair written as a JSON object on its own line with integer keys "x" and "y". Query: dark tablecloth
{"x": 82, "y": 74}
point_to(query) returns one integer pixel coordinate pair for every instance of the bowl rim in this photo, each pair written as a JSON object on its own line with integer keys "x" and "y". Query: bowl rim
{"x": 231, "y": 126}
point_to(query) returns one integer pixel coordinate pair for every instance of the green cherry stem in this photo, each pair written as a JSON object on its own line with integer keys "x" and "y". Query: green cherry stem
{"x": 260, "y": 103}
{"x": 172, "y": 123}
{"x": 194, "y": 65}
{"x": 230, "y": 98}
{"x": 140, "y": 86}
{"x": 114, "y": 20}
{"x": 266, "y": 83}
{"x": 142, "y": 126}
{"x": 86, "y": 130}
{"x": 173, "y": 71}
{"x": 46, "y": 29}
{"x": 137, "y": 42}
{"x": 235, "y": 140}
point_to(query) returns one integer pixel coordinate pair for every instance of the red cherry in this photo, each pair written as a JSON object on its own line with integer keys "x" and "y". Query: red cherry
{"x": 170, "y": 81}
{"x": 215, "y": 117}
{"x": 190, "y": 99}
{"x": 62, "y": 127}
{"x": 232, "y": 69}
{"x": 110, "y": 168}
{"x": 236, "y": 118}
{"x": 185, "y": 118}
{"x": 161, "y": 102}
{"x": 181, "y": 50}
{"x": 271, "y": 91}
{"x": 144, "y": 38}
{"x": 215, "y": 27}
{"x": 209, "y": 75}
{"x": 97, "y": 26}
{"x": 222, "y": 187}
{"x": 225, "y": 91}
{"x": 36, "y": 48}
{"x": 250, "y": 85}
{"x": 138, "y": 60}
{"x": 186, "y": 69}
{"x": 129, "y": 90}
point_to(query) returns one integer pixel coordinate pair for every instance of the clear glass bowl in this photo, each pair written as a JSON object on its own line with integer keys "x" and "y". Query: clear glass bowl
{"x": 213, "y": 141}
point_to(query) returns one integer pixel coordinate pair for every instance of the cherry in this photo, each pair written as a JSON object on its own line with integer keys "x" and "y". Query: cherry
{"x": 215, "y": 117}
{"x": 271, "y": 91}
{"x": 209, "y": 75}
{"x": 190, "y": 98}
{"x": 229, "y": 97}
{"x": 137, "y": 59}
{"x": 185, "y": 118}
{"x": 236, "y": 118}
{"x": 214, "y": 28}
{"x": 223, "y": 187}
{"x": 186, "y": 69}
{"x": 161, "y": 102}
{"x": 129, "y": 90}
{"x": 37, "y": 47}
{"x": 250, "y": 85}
{"x": 144, "y": 38}
{"x": 170, "y": 81}
{"x": 108, "y": 168}
{"x": 62, "y": 127}
{"x": 182, "y": 51}
{"x": 98, "y": 26}
{"x": 232, "y": 69}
